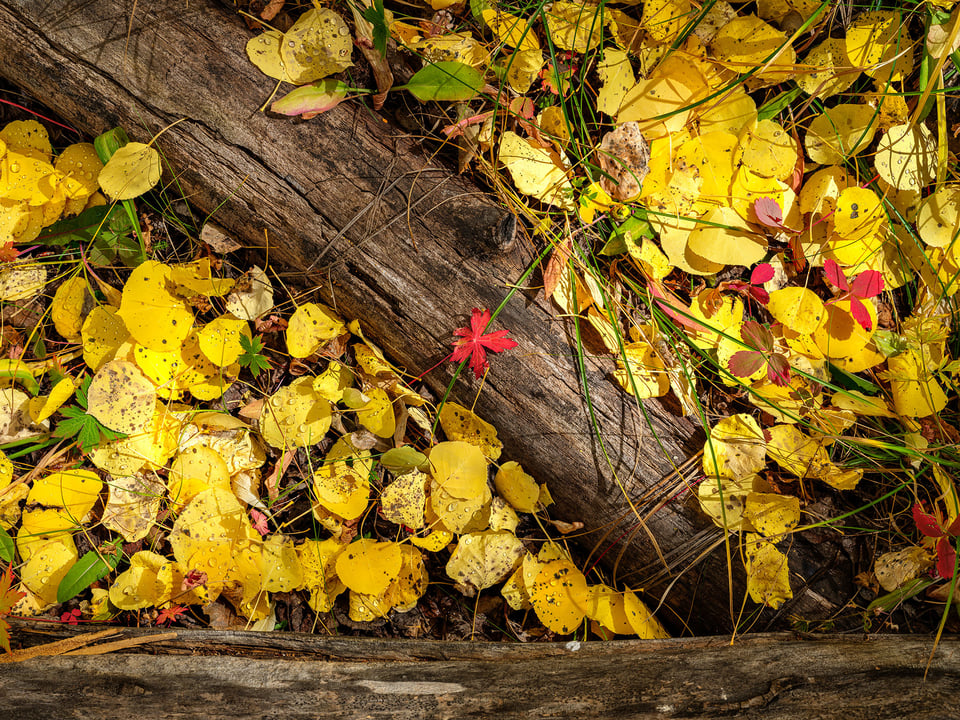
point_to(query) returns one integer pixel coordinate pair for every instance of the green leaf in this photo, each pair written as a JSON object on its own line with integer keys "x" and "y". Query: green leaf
{"x": 446, "y": 81}
{"x": 6, "y": 546}
{"x": 108, "y": 143}
{"x": 91, "y": 567}
{"x": 404, "y": 459}
{"x": 377, "y": 17}
{"x": 104, "y": 226}
{"x": 888, "y": 602}
{"x": 252, "y": 359}
{"x": 775, "y": 107}
{"x": 627, "y": 234}
{"x": 849, "y": 381}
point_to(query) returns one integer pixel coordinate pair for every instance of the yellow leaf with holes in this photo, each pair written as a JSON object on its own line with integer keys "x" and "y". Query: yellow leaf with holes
{"x": 797, "y": 308}
{"x": 121, "y": 398}
{"x": 840, "y": 132}
{"x": 70, "y": 304}
{"x": 907, "y": 157}
{"x": 643, "y": 622}
{"x": 771, "y": 514}
{"x": 132, "y": 505}
{"x": 295, "y": 416}
{"x": 102, "y": 334}
{"x": 483, "y": 559}
{"x": 341, "y": 489}
{"x": 403, "y": 501}
{"x": 768, "y": 577}
{"x": 559, "y": 596}
{"x": 516, "y": 487}
{"x": 319, "y": 573}
{"x": 724, "y": 238}
{"x": 154, "y": 316}
{"x": 460, "y": 423}
{"x": 575, "y": 26}
{"x": 537, "y": 171}
{"x": 317, "y": 45}
{"x": 735, "y": 448}
{"x": 310, "y": 327}
{"x": 511, "y": 30}
{"x": 130, "y": 172}
{"x": 368, "y": 566}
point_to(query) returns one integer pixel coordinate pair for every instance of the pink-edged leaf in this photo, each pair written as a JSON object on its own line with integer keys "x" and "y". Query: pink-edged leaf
{"x": 762, "y": 273}
{"x": 860, "y": 313}
{"x": 756, "y": 335}
{"x": 778, "y": 369}
{"x": 926, "y": 523}
{"x": 946, "y": 559}
{"x": 311, "y": 99}
{"x": 835, "y": 275}
{"x": 867, "y": 284}
{"x": 759, "y": 294}
{"x": 745, "y": 363}
{"x": 768, "y": 213}
{"x": 667, "y": 301}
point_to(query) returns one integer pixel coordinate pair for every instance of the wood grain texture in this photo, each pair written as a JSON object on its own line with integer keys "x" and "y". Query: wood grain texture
{"x": 399, "y": 241}
{"x": 240, "y": 675}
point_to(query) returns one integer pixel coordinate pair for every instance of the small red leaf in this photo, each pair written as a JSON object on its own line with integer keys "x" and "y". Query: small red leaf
{"x": 762, "y": 273}
{"x": 259, "y": 521}
{"x": 946, "y": 558}
{"x": 756, "y": 335}
{"x": 835, "y": 275}
{"x": 778, "y": 369}
{"x": 745, "y": 363}
{"x": 473, "y": 343}
{"x": 759, "y": 294}
{"x": 769, "y": 213}
{"x": 926, "y": 523}
{"x": 860, "y": 313}
{"x": 867, "y": 284}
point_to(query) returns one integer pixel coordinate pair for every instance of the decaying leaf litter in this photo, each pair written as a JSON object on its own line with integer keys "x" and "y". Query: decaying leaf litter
{"x": 785, "y": 216}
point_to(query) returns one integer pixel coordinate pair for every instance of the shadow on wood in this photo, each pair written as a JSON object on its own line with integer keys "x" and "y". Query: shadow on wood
{"x": 399, "y": 241}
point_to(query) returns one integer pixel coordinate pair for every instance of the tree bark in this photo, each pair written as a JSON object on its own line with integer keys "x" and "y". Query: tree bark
{"x": 392, "y": 237}
{"x": 239, "y": 675}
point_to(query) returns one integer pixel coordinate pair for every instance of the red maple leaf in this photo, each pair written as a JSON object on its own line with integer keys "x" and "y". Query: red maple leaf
{"x": 8, "y": 598}
{"x": 473, "y": 343}
{"x": 8, "y": 253}
{"x": 170, "y": 615}
{"x": 936, "y": 527}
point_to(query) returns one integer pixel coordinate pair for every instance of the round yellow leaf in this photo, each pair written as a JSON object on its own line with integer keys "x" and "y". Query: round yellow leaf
{"x": 878, "y": 43}
{"x": 840, "y": 132}
{"x": 264, "y": 52}
{"x": 769, "y": 150}
{"x": 483, "y": 559}
{"x": 103, "y": 333}
{"x": 460, "y": 423}
{"x": 341, "y": 489}
{"x": 938, "y": 220}
{"x": 722, "y": 237}
{"x": 797, "y": 308}
{"x": 27, "y": 136}
{"x": 195, "y": 469}
{"x": 832, "y": 75}
{"x": 220, "y": 339}
{"x": 130, "y": 172}
{"x": 70, "y": 303}
{"x": 121, "y": 398}
{"x": 79, "y": 162}
{"x": 907, "y": 157}
{"x": 516, "y": 487}
{"x": 47, "y": 566}
{"x": 154, "y": 316}
{"x": 772, "y": 514}
{"x": 295, "y": 416}
{"x": 310, "y": 327}
{"x": 768, "y": 577}
{"x": 559, "y": 596}
{"x": 403, "y": 501}
{"x": 368, "y": 567}
{"x": 459, "y": 468}
{"x": 377, "y": 415}
{"x": 319, "y": 44}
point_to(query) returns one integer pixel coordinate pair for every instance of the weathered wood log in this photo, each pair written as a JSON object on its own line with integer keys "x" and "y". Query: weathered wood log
{"x": 238, "y": 675}
{"x": 399, "y": 241}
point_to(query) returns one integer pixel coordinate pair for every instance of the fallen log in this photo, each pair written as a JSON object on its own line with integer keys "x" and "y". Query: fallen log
{"x": 396, "y": 239}
{"x": 238, "y": 675}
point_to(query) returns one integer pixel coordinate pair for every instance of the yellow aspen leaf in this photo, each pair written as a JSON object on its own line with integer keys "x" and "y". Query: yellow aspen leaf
{"x": 840, "y": 132}
{"x": 616, "y": 77}
{"x": 514, "y": 591}
{"x": 832, "y": 73}
{"x": 664, "y": 19}
{"x": 907, "y": 157}
{"x": 896, "y": 569}
{"x": 154, "y": 316}
{"x": 502, "y": 516}
{"x": 747, "y": 42}
{"x": 459, "y": 468}
{"x": 483, "y": 559}
{"x": 769, "y": 150}
{"x": 724, "y": 238}
{"x": 453, "y": 47}
{"x": 878, "y": 43}
{"x": 21, "y": 280}
{"x": 841, "y": 336}
{"x": 263, "y": 50}
{"x": 460, "y": 515}
{"x": 295, "y": 416}
{"x": 523, "y": 67}
{"x": 48, "y": 564}
{"x": 80, "y": 166}
{"x": 197, "y": 278}
{"x": 559, "y": 596}
{"x": 661, "y": 106}
{"x": 841, "y": 478}
{"x": 460, "y": 423}
{"x": 195, "y": 469}
{"x": 280, "y": 564}
{"x": 643, "y": 374}
{"x": 130, "y": 172}
{"x": 252, "y": 296}
{"x": 729, "y": 113}
{"x": 317, "y": 45}
{"x": 162, "y": 368}
{"x": 644, "y": 624}
{"x": 516, "y": 487}
{"x": 511, "y": 30}
{"x": 404, "y": 500}
{"x": 772, "y": 514}
{"x": 821, "y": 190}
{"x": 132, "y": 505}
{"x": 377, "y": 415}
{"x": 121, "y": 398}
{"x": 575, "y": 26}
{"x": 319, "y": 574}
{"x": 768, "y": 577}
{"x": 368, "y": 566}
{"x": 861, "y": 404}
{"x": 938, "y": 219}
{"x": 723, "y": 499}
{"x": 75, "y": 491}
{"x": 608, "y": 607}
{"x": 28, "y": 136}
{"x": 341, "y": 489}
{"x": 536, "y": 171}
{"x": 150, "y": 449}
{"x": 797, "y": 308}
{"x": 71, "y": 303}
{"x": 310, "y": 327}
{"x": 735, "y": 448}
{"x": 916, "y": 392}
{"x": 795, "y": 452}
{"x": 43, "y": 406}
{"x": 102, "y": 334}
{"x": 24, "y": 177}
